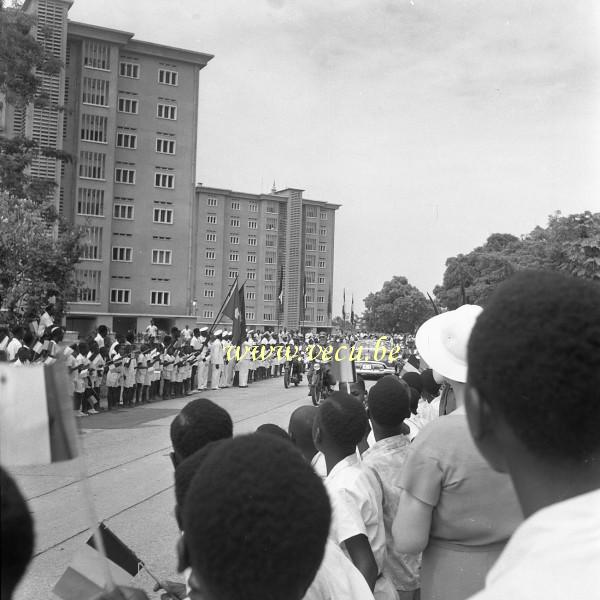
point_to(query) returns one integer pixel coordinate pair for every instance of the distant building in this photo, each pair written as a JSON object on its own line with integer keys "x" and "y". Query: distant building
{"x": 277, "y": 244}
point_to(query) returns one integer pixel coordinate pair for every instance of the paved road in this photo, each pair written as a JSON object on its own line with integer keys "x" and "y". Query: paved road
{"x": 130, "y": 473}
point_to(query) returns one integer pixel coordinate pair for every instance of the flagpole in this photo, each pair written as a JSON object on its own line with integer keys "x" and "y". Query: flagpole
{"x": 220, "y": 313}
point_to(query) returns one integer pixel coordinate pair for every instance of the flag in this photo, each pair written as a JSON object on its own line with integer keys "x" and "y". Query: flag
{"x": 85, "y": 577}
{"x": 242, "y": 307}
{"x": 344, "y": 306}
{"x": 329, "y": 305}
{"x": 352, "y": 311}
{"x": 303, "y": 313}
{"x": 232, "y": 310}
{"x": 37, "y": 421}
{"x": 280, "y": 293}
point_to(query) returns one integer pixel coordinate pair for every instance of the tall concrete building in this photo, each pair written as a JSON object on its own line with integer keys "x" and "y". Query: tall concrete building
{"x": 279, "y": 245}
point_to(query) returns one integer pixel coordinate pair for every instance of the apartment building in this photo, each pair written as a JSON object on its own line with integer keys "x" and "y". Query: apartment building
{"x": 275, "y": 244}
{"x": 130, "y": 124}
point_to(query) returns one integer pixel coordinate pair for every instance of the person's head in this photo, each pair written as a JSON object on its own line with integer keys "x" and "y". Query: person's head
{"x": 431, "y": 388}
{"x": 17, "y": 535}
{"x": 200, "y": 421}
{"x": 57, "y": 334}
{"x": 272, "y": 429}
{"x": 83, "y": 348}
{"x": 256, "y": 520}
{"x": 18, "y": 332}
{"x": 28, "y": 338}
{"x": 533, "y": 395}
{"x": 130, "y": 337}
{"x": 358, "y": 389}
{"x": 103, "y": 330}
{"x": 49, "y": 309}
{"x": 24, "y": 354}
{"x": 414, "y": 380}
{"x": 300, "y": 429}
{"x": 340, "y": 424}
{"x": 196, "y": 332}
{"x": 388, "y": 404}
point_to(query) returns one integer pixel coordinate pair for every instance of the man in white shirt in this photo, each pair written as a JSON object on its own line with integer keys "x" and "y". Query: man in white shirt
{"x": 216, "y": 359}
{"x": 300, "y": 431}
{"x": 15, "y": 343}
{"x": 533, "y": 407}
{"x": 357, "y": 521}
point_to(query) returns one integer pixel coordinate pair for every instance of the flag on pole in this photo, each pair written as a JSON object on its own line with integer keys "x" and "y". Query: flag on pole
{"x": 232, "y": 310}
{"x": 85, "y": 577}
{"x": 242, "y": 307}
{"x": 344, "y": 306}
{"x": 303, "y": 314}
{"x": 329, "y": 305}
{"x": 352, "y": 311}
{"x": 280, "y": 293}
{"x": 37, "y": 421}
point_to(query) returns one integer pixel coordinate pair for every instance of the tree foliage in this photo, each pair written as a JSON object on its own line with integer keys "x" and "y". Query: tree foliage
{"x": 38, "y": 248}
{"x": 398, "y": 307}
{"x": 569, "y": 243}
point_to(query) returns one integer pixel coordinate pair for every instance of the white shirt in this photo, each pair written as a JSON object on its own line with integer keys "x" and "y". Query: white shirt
{"x": 337, "y": 579}
{"x": 216, "y": 352}
{"x": 99, "y": 340}
{"x": 13, "y": 348}
{"x": 318, "y": 464}
{"x": 554, "y": 554}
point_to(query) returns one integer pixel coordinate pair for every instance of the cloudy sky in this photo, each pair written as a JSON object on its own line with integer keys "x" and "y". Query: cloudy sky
{"x": 433, "y": 123}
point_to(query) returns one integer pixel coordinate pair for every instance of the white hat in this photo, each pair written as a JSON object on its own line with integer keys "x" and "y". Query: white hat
{"x": 442, "y": 341}
{"x": 202, "y": 329}
{"x": 218, "y": 332}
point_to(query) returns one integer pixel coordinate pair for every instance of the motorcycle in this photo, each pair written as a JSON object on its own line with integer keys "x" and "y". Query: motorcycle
{"x": 319, "y": 382}
{"x": 292, "y": 373}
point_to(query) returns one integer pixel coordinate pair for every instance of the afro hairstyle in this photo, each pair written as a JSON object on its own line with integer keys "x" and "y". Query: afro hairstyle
{"x": 430, "y": 386}
{"x": 344, "y": 418}
{"x": 17, "y": 534}
{"x": 389, "y": 401}
{"x": 256, "y": 519}
{"x": 272, "y": 429}
{"x": 534, "y": 354}
{"x": 414, "y": 380}
{"x": 200, "y": 421}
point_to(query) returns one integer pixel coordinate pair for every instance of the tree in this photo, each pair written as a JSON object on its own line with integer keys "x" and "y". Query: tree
{"x": 397, "y": 308}
{"x": 38, "y": 248}
{"x": 570, "y": 244}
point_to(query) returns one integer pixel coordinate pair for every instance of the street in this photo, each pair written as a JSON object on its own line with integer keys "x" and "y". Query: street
{"x": 131, "y": 477}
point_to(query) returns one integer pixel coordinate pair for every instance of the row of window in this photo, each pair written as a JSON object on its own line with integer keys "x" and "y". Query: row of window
{"x": 271, "y": 223}
{"x": 131, "y": 106}
{"x": 311, "y": 228}
{"x": 234, "y": 256}
{"x": 311, "y": 245}
{"x": 125, "y": 254}
{"x": 93, "y": 129}
{"x": 236, "y": 205}
{"x": 311, "y": 276}
{"x": 90, "y": 202}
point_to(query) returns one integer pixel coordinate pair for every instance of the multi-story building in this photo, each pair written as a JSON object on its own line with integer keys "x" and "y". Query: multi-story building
{"x": 130, "y": 124}
{"x": 276, "y": 245}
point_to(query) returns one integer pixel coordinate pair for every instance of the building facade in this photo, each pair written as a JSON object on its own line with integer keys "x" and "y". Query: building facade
{"x": 280, "y": 246}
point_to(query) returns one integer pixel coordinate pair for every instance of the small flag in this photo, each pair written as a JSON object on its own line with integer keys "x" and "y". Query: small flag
{"x": 85, "y": 577}
{"x": 280, "y": 293}
{"x": 37, "y": 421}
{"x": 344, "y": 306}
{"x": 242, "y": 308}
{"x": 303, "y": 297}
{"x": 232, "y": 310}
{"x": 352, "y": 311}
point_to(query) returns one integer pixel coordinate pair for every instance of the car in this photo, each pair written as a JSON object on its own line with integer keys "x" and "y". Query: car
{"x": 369, "y": 368}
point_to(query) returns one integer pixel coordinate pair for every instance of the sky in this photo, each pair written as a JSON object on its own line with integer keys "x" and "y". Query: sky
{"x": 433, "y": 123}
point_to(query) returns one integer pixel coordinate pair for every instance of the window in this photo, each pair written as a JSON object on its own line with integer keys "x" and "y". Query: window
{"x": 209, "y": 293}
{"x": 250, "y": 295}
{"x": 90, "y": 202}
{"x": 322, "y": 247}
{"x": 88, "y": 285}
{"x": 235, "y": 205}
{"x": 308, "y": 315}
{"x": 320, "y": 318}
{"x": 161, "y": 257}
{"x": 167, "y": 77}
{"x": 271, "y": 208}
{"x": 271, "y": 224}
{"x": 268, "y": 316}
{"x": 234, "y": 221}
{"x": 253, "y": 206}
{"x": 321, "y": 279}
{"x": 269, "y": 294}
{"x": 211, "y": 202}
{"x": 211, "y": 237}
{"x": 92, "y": 249}
{"x": 96, "y": 55}
{"x": 128, "y": 69}
{"x": 271, "y": 241}
{"x": 270, "y": 258}
{"x": 92, "y": 165}
{"x": 210, "y": 255}
{"x": 311, "y": 276}
{"x": 252, "y": 258}
{"x": 160, "y": 298}
{"x": 119, "y": 296}
{"x": 322, "y": 263}
{"x": 323, "y": 215}
{"x": 251, "y": 275}
{"x": 128, "y": 105}
{"x": 232, "y": 274}
{"x": 122, "y": 254}
{"x": 208, "y": 314}
{"x": 211, "y": 219}
{"x": 123, "y": 211}
{"x": 311, "y": 212}
{"x": 321, "y": 299}
{"x": 209, "y": 272}
{"x": 252, "y": 240}
{"x": 166, "y": 111}
{"x": 164, "y": 180}
{"x": 269, "y": 275}
{"x": 125, "y": 176}
{"x": 323, "y": 231}
{"x": 234, "y": 256}
{"x": 249, "y": 315}
{"x": 126, "y": 140}
{"x": 310, "y": 260}
{"x": 309, "y": 296}
{"x": 94, "y": 91}
{"x": 252, "y": 224}
{"x": 311, "y": 227}
{"x": 310, "y": 244}
{"x": 162, "y": 215}
{"x": 234, "y": 239}
{"x": 165, "y": 145}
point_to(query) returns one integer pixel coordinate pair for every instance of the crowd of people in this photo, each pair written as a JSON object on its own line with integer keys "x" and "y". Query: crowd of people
{"x": 476, "y": 475}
